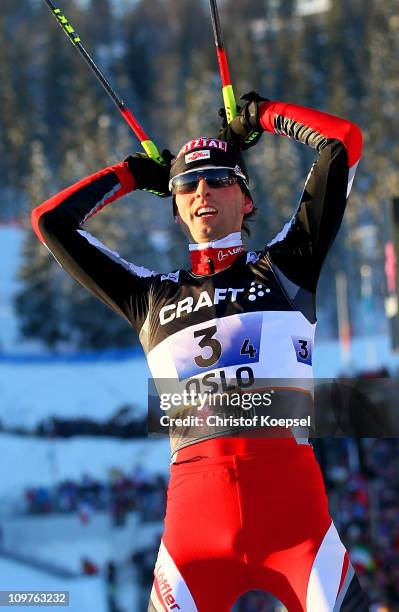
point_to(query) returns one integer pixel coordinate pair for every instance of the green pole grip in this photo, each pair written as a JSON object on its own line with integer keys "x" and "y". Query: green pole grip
{"x": 152, "y": 151}
{"x": 229, "y": 102}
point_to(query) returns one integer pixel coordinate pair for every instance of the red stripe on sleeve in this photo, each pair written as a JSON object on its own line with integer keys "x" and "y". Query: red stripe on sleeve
{"x": 124, "y": 176}
{"x": 329, "y": 126}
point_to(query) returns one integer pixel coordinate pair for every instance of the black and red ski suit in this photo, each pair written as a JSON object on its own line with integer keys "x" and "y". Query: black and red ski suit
{"x": 242, "y": 514}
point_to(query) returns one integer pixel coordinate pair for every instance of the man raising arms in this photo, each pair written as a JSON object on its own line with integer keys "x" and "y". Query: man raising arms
{"x": 243, "y": 513}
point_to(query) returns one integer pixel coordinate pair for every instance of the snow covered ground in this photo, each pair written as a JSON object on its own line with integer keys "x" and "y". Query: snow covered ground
{"x": 84, "y": 593}
{"x": 31, "y": 392}
{"x": 64, "y": 540}
{"x": 34, "y": 462}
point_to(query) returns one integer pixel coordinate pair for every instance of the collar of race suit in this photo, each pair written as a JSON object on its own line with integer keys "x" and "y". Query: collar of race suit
{"x": 211, "y": 257}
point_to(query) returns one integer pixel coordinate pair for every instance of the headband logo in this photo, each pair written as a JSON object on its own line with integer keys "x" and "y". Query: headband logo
{"x": 191, "y": 157}
{"x": 198, "y": 143}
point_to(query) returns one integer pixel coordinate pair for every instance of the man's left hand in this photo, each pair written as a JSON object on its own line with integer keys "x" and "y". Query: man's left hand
{"x": 244, "y": 131}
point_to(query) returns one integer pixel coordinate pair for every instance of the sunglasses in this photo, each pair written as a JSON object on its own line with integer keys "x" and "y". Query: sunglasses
{"x": 216, "y": 178}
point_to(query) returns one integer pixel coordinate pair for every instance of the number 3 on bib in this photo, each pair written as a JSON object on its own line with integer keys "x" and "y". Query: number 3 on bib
{"x": 303, "y": 349}
{"x": 212, "y": 343}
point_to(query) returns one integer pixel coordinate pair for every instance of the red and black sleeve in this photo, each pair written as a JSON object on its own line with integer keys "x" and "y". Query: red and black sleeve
{"x": 58, "y": 224}
{"x": 300, "y": 249}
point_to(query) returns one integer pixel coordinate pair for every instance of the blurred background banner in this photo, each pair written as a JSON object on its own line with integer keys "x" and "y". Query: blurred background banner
{"x": 82, "y": 488}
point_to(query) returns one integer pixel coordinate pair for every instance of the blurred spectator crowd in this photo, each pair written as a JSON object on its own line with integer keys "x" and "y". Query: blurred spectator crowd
{"x": 119, "y": 494}
{"x": 362, "y": 481}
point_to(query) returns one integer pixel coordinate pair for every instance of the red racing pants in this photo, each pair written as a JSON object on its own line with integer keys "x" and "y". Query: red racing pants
{"x": 256, "y": 518}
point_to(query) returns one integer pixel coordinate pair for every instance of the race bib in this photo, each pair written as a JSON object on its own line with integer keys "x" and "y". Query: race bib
{"x": 220, "y": 343}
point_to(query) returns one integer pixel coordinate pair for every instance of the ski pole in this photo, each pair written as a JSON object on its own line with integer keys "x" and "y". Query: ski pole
{"x": 147, "y": 144}
{"x": 227, "y": 88}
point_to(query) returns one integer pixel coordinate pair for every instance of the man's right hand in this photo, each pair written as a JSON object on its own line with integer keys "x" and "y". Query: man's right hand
{"x": 244, "y": 130}
{"x": 149, "y": 175}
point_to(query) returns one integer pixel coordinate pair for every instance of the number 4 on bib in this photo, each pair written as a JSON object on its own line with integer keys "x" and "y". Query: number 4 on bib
{"x": 248, "y": 349}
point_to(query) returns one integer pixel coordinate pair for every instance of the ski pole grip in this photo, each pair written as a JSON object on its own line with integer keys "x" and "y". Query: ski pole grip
{"x": 229, "y": 102}
{"x": 152, "y": 151}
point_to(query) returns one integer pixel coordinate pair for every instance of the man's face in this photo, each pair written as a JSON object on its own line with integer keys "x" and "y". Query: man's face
{"x": 210, "y": 214}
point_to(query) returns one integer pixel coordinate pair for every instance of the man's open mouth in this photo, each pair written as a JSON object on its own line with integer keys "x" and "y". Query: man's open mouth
{"x": 206, "y": 211}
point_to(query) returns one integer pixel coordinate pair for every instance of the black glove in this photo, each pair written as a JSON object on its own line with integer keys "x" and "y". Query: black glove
{"x": 149, "y": 175}
{"x": 244, "y": 130}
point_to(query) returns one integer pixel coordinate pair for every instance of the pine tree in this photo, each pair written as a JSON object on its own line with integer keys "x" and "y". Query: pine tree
{"x": 39, "y": 304}
{"x": 16, "y": 117}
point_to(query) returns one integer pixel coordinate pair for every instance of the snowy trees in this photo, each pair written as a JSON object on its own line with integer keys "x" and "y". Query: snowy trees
{"x": 160, "y": 56}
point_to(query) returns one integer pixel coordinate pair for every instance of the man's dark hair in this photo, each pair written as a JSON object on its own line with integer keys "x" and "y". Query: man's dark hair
{"x": 249, "y": 217}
